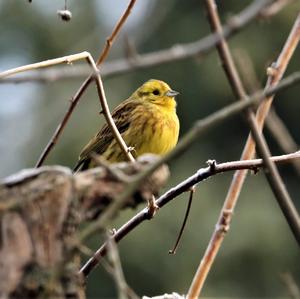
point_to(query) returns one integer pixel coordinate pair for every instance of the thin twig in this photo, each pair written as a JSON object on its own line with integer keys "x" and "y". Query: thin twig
{"x": 174, "y": 53}
{"x": 83, "y": 87}
{"x": 172, "y": 193}
{"x": 274, "y": 123}
{"x": 273, "y": 9}
{"x": 70, "y": 59}
{"x": 191, "y": 196}
{"x": 66, "y": 59}
{"x": 291, "y": 285}
{"x": 275, "y": 181}
{"x": 115, "y": 32}
{"x": 75, "y": 99}
{"x": 282, "y": 136}
{"x": 107, "y": 114}
{"x": 230, "y": 201}
{"x": 124, "y": 291}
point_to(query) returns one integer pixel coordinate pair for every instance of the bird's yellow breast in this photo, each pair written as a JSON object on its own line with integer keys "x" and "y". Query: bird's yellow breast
{"x": 155, "y": 132}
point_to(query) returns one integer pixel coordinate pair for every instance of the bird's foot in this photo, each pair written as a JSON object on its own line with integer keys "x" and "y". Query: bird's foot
{"x": 152, "y": 207}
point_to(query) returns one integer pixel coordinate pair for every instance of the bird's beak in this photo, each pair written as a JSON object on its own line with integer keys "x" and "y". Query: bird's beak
{"x": 172, "y": 93}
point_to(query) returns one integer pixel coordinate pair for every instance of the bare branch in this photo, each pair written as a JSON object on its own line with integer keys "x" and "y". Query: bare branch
{"x": 274, "y": 123}
{"x": 115, "y": 32}
{"x": 272, "y": 174}
{"x": 66, "y": 59}
{"x": 41, "y": 210}
{"x": 279, "y": 69}
{"x": 191, "y": 195}
{"x": 174, "y": 53}
{"x": 110, "y": 122}
{"x": 275, "y": 8}
{"x": 200, "y": 175}
{"x": 291, "y": 285}
{"x": 124, "y": 290}
{"x": 282, "y": 136}
{"x": 83, "y": 87}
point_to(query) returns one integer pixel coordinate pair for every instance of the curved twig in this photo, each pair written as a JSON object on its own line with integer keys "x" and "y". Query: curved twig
{"x": 83, "y": 87}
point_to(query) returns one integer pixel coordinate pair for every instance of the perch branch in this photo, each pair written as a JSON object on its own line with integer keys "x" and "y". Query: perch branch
{"x": 199, "y": 176}
{"x": 83, "y": 87}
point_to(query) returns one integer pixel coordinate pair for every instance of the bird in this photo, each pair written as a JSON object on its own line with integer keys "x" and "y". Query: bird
{"x": 147, "y": 121}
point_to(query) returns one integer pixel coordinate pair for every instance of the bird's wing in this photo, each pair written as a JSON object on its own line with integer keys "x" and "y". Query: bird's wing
{"x": 100, "y": 142}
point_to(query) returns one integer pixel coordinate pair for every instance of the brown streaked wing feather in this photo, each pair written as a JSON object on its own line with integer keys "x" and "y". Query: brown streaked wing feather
{"x": 100, "y": 142}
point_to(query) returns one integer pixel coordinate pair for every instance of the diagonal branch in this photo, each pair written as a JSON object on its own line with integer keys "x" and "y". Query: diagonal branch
{"x": 83, "y": 87}
{"x": 272, "y": 174}
{"x": 174, "y": 53}
{"x": 282, "y": 136}
{"x": 278, "y": 71}
{"x": 70, "y": 59}
{"x": 275, "y": 125}
{"x": 110, "y": 122}
{"x": 200, "y": 175}
{"x": 115, "y": 32}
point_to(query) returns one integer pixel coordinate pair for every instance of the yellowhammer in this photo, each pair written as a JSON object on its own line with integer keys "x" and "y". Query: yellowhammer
{"x": 147, "y": 122}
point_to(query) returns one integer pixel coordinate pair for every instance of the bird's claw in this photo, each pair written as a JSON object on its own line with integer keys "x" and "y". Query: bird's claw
{"x": 152, "y": 207}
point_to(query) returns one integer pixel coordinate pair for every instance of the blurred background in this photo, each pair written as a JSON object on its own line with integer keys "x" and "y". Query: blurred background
{"x": 259, "y": 246}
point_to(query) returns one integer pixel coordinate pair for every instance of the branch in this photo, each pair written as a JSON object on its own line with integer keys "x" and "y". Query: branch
{"x": 115, "y": 32}
{"x": 275, "y": 8}
{"x": 200, "y": 175}
{"x": 83, "y": 87}
{"x": 110, "y": 122}
{"x": 272, "y": 174}
{"x": 174, "y": 53}
{"x": 278, "y": 71}
{"x": 40, "y": 212}
{"x": 274, "y": 123}
{"x": 282, "y": 136}
{"x": 124, "y": 291}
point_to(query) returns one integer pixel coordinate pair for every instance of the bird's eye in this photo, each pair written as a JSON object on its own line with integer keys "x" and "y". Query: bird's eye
{"x": 156, "y": 92}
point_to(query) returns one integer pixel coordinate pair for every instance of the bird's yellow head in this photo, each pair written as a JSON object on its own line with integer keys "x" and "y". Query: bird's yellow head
{"x": 157, "y": 92}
